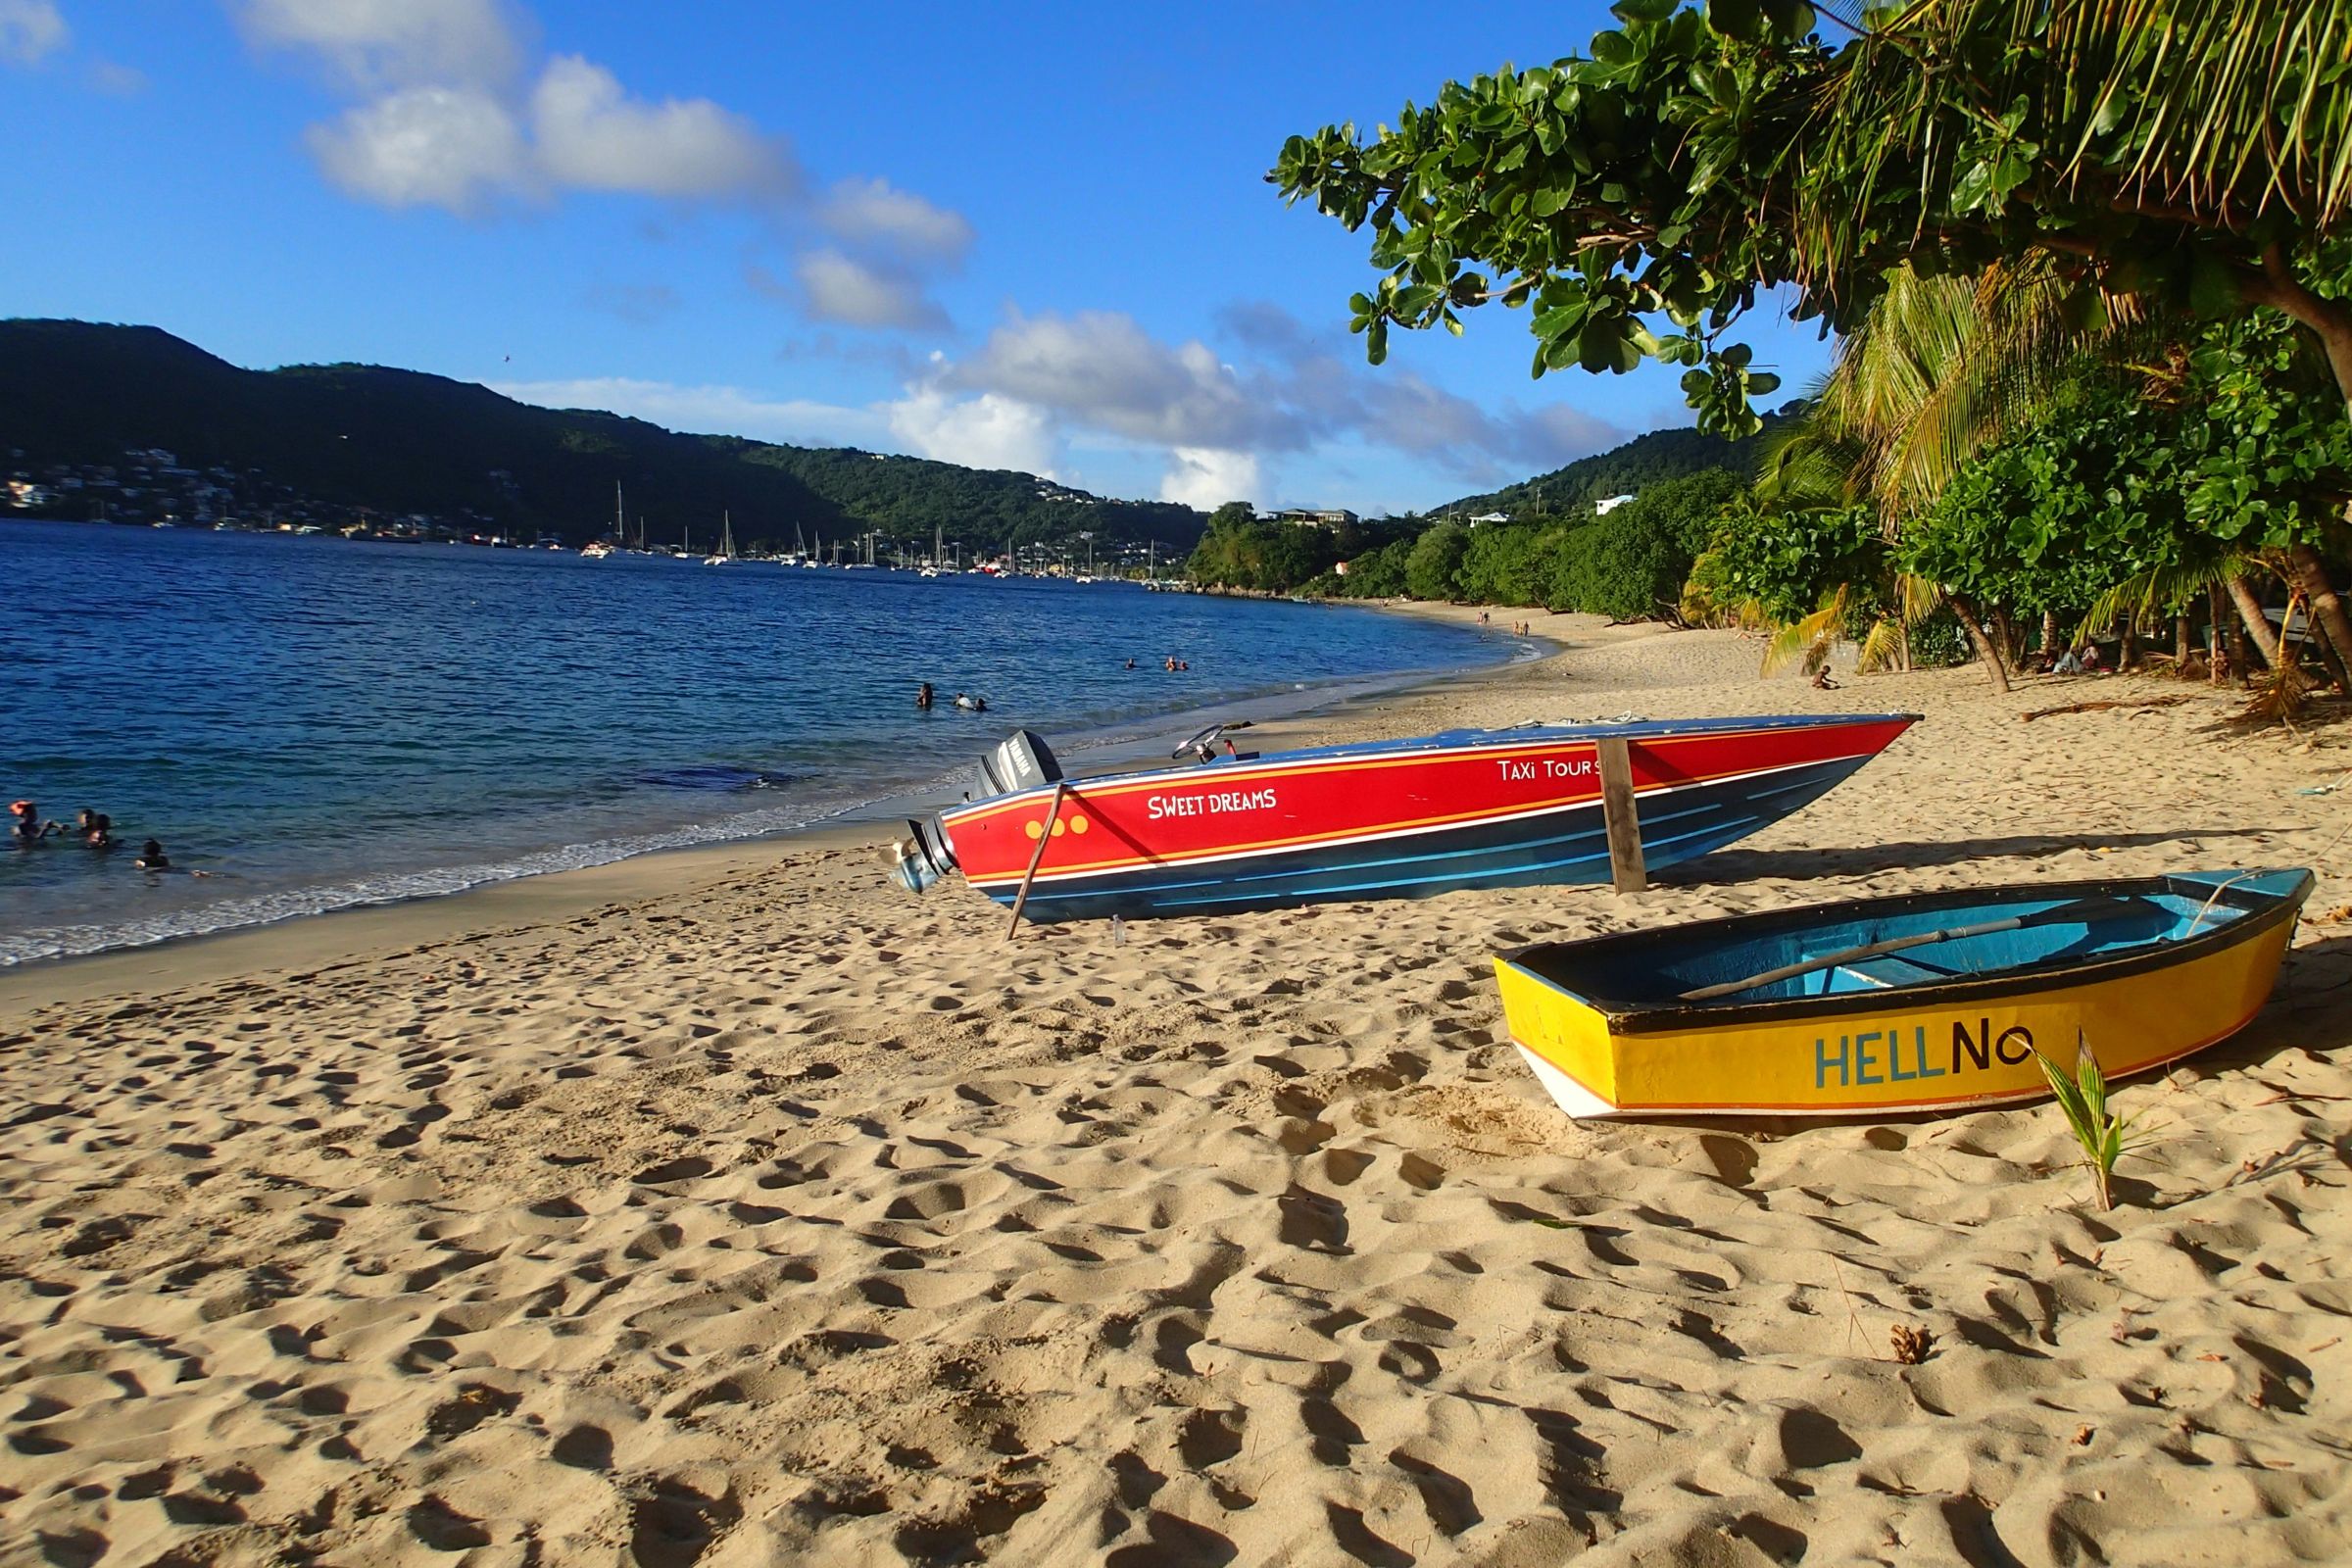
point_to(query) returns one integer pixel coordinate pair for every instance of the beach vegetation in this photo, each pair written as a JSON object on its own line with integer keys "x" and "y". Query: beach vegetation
{"x": 1634, "y": 203}
{"x": 1238, "y": 549}
{"x": 2001, "y": 190}
{"x": 1433, "y": 571}
{"x": 2102, "y": 1136}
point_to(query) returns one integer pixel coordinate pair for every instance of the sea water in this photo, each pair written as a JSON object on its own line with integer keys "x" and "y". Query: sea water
{"x": 320, "y": 724}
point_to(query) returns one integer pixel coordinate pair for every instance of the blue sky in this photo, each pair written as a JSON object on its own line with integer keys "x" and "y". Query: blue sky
{"x": 1031, "y": 236}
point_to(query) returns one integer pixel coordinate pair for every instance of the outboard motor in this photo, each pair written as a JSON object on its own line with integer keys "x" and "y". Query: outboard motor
{"x": 921, "y": 857}
{"x": 1022, "y": 760}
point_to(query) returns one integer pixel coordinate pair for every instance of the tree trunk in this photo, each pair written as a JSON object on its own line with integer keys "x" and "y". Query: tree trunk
{"x": 1982, "y": 643}
{"x": 2007, "y": 635}
{"x": 2127, "y": 645}
{"x": 2326, "y": 611}
{"x": 2049, "y": 633}
{"x": 2257, "y": 625}
{"x": 2331, "y": 321}
{"x": 2222, "y": 663}
{"x": 2182, "y": 647}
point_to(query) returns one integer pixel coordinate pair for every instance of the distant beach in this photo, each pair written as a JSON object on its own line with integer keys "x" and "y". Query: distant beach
{"x": 731, "y": 1206}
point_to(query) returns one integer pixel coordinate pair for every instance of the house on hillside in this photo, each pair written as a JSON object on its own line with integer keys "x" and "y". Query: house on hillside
{"x": 1608, "y": 503}
{"x": 1489, "y": 516}
{"x": 1307, "y": 516}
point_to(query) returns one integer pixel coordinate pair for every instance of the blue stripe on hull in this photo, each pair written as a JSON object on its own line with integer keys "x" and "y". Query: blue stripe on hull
{"x": 1565, "y": 847}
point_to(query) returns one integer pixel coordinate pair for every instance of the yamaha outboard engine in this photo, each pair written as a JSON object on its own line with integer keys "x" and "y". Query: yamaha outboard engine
{"x": 1022, "y": 760}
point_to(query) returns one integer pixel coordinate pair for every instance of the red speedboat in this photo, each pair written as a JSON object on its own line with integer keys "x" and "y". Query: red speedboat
{"x": 1467, "y": 808}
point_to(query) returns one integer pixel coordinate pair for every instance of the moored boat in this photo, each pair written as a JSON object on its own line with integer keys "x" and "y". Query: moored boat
{"x": 1405, "y": 818}
{"x": 1915, "y": 1003}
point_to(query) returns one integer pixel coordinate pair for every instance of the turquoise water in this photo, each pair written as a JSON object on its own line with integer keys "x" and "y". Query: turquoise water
{"x": 322, "y": 723}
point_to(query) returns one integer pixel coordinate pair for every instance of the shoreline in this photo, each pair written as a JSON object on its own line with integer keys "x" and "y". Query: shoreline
{"x": 767, "y": 1214}
{"x": 331, "y": 938}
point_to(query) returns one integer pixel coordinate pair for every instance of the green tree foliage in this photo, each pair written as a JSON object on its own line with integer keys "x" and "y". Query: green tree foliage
{"x": 1379, "y": 573}
{"x": 1634, "y": 202}
{"x": 2223, "y": 451}
{"x": 1632, "y": 563}
{"x": 1503, "y": 563}
{"x": 1433, "y": 571}
{"x": 1238, "y": 549}
{"x": 1777, "y": 565}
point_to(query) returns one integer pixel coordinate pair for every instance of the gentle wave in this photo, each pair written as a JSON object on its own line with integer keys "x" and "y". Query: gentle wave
{"x": 267, "y": 908}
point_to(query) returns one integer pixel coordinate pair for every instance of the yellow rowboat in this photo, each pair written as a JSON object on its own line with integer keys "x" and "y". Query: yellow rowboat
{"x": 1924, "y": 1001}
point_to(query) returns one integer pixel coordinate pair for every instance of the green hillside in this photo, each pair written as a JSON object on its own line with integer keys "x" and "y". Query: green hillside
{"x": 1625, "y": 470}
{"x": 398, "y": 442}
{"x": 985, "y": 507}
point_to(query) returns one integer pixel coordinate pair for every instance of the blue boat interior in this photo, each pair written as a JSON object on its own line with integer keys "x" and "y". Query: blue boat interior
{"x": 1640, "y": 971}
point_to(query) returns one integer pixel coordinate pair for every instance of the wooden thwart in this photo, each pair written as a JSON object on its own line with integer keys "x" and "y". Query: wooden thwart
{"x": 1620, "y": 816}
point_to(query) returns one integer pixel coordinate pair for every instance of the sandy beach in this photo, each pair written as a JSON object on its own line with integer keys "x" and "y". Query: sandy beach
{"x": 737, "y": 1209}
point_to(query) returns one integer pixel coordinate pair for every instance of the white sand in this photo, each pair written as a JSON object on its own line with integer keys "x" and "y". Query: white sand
{"x": 768, "y": 1216}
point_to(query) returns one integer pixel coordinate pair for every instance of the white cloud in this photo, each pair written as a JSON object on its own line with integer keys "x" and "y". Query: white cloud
{"x": 593, "y": 136}
{"x": 841, "y": 288}
{"x": 873, "y": 212}
{"x": 1205, "y": 478}
{"x": 378, "y": 46}
{"x": 1102, "y": 369}
{"x": 30, "y": 30}
{"x": 707, "y": 409}
{"x": 453, "y": 147}
{"x": 987, "y": 431}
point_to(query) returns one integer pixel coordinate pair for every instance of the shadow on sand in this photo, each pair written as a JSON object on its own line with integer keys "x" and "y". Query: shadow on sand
{"x": 1735, "y": 866}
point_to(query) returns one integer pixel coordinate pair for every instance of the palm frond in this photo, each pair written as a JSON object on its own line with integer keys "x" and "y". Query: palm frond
{"x": 1887, "y": 647}
{"x": 1916, "y": 597}
{"x": 1809, "y": 639}
{"x": 2143, "y": 597}
{"x": 2216, "y": 111}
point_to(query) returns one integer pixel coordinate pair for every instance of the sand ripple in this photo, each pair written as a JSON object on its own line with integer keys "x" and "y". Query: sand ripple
{"x": 791, "y": 1221}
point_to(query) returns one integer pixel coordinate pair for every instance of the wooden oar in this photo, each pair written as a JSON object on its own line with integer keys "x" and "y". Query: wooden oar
{"x": 2085, "y": 912}
{"x": 1035, "y": 857}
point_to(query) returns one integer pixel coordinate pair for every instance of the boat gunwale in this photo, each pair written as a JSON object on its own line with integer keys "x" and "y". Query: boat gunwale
{"x": 1360, "y": 753}
{"x": 1142, "y": 861}
{"x": 2265, "y": 912}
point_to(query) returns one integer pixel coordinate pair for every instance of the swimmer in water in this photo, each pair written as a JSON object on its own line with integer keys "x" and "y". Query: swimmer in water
{"x": 153, "y": 859}
{"x": 24, "y": 825}
{"x": 922, "y": 695}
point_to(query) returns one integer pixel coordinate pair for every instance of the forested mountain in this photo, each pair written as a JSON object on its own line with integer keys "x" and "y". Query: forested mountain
{"x": 1621, "y": 470}
{"x": 986, "y": 507}
{"x": 400, "y": 442}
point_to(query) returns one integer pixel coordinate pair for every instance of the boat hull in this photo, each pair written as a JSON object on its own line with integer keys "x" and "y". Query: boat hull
{"x": 1472, "y": 810}
{"x": 1929, "y": 1045}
